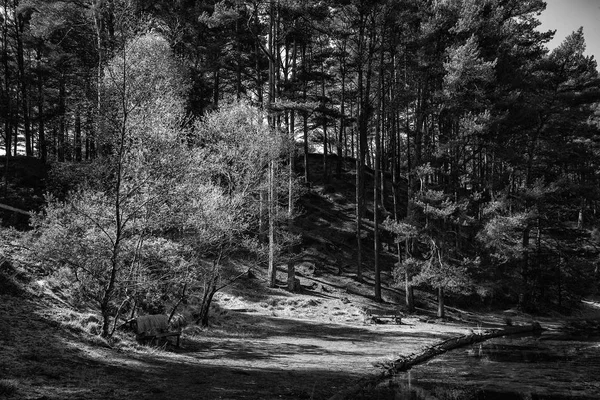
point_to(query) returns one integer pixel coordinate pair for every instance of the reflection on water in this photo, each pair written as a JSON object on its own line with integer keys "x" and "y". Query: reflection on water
{"x": 523, "y": 368}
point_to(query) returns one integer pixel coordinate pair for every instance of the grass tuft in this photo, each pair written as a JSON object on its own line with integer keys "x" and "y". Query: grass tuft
{"x": 8, "y": 387}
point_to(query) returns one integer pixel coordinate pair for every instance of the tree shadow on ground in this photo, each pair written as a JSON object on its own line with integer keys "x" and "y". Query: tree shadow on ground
{"x": 296, "y": 328}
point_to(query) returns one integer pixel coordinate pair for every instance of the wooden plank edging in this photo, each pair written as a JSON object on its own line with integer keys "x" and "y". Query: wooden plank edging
{"x": 405, "y": 363}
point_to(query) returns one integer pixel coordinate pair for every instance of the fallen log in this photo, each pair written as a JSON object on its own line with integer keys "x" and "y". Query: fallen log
{"x": 13, "y": 209}
{"x": 403, "y": 364}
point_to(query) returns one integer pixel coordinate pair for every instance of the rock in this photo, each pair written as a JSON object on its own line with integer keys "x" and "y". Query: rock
{"x": 306, "y": 268}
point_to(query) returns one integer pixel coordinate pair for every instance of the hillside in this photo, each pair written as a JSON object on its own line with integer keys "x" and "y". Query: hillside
{"x": 261, "y": 344}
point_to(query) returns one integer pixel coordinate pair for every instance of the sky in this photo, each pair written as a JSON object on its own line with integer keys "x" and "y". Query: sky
{"x": 566, "y": 16}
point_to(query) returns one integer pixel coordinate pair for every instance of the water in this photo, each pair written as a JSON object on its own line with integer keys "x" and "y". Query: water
{"x": 513, "y": 368}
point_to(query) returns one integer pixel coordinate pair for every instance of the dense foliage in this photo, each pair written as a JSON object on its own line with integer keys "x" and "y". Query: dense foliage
{"x": 489, "y": 140}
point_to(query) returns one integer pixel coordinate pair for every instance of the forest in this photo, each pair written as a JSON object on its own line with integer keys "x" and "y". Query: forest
{"x": 177, "y": 136}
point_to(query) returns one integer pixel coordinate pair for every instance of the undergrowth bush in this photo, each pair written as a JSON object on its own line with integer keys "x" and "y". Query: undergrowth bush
{"x": 158, "y": 232}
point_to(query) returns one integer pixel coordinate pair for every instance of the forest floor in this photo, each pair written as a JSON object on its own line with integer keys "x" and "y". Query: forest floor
{"x": 284, "y": 345}
{"x": 262, "y": 343}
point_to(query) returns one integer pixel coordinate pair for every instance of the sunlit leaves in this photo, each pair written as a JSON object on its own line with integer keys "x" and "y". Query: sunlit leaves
{"x": 145, "y": 89}
{"x": 402, "y": 230}
{"x": 235, "y": 145}
{"x": 502, "y": 234}
{"x": 466, "y": 70}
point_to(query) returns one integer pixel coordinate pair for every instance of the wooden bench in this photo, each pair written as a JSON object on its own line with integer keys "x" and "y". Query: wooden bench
{"x": 373, "y": 315}
{"x": 153, "y": 327}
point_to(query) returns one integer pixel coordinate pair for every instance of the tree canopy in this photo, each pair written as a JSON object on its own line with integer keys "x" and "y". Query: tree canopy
{"x": 482, "y": 142}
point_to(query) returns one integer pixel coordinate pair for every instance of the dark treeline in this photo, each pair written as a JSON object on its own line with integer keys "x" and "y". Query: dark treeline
{"x": 480, "y": 145}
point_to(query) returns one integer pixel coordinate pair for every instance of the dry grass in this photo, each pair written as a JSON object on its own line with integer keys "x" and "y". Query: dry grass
{"x": 87, "y": 323}
{"x": 8, "y": 387}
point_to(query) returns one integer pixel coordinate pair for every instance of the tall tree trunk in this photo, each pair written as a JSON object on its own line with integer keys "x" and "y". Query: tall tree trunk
{"x": 376, "y": 244}
{"x": 559, "y": 280}
{"x": 363, "y": 125}
{"x": 272, "y": 60}
{"x": 580, "y": 214}
{"x": 325, "y": 154}
{"x": 377, "y": 174}
{"x": 441, "y": 311}
{"x": 258, "y": 55}
{"x": 61, "y": 119}
{"x": 272, "y": 272}
{"x": 216, "y": 84}
{"x": 358, "y": 217}
{"x": 325, "y": 139}
{"x": 7, "y": 137}
{"x": 538, "y": 244}
{"x": 353, "y": 152}
{"x": 291, "y": 173}
{"x": 263, "y": 219}
{"x": 305, "y": 114}
{"x": 524, "y": 296}
{"x": 409, "y": 296}
{"x": 89, "y": 135}
{"x": 360, "y": 148}
{"x": 409, "y": 291}
{"x": 341, "y": 141}
{"x": 15, "y": 125}
{"x": 54, "y": 143}
{"x": 419, "y": 120}
{"x": 8, "y": 105}
{"x": 19, "y": 31}
{"x": 360, "y": 158}
{"x": 100, "y": 51}
{"x": 78, "y": 143}
{"x": 42, "y": 146}
{"x": 119, "y": 221}
{"x": 238, "y": 52}
{"x": 291, "y": 262}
